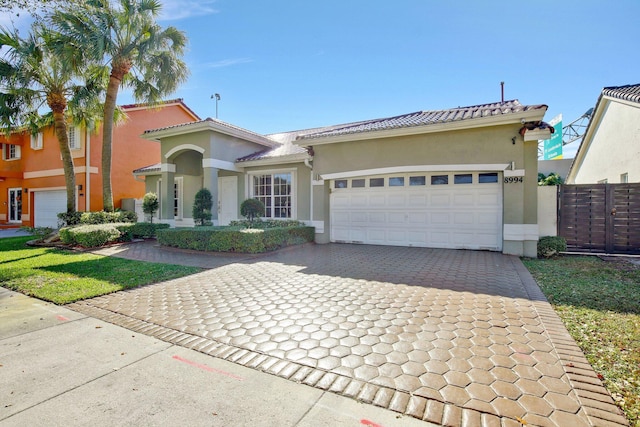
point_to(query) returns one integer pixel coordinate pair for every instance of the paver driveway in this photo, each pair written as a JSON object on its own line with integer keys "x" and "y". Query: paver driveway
{"x": 452, "y": 337}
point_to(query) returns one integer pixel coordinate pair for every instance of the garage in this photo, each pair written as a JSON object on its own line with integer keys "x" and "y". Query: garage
{"x": 455, "y": 210}
{"x": 48, "y": 204}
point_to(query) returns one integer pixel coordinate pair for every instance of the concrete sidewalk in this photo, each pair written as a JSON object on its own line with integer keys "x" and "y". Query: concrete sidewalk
{"x": 60, "y": 367}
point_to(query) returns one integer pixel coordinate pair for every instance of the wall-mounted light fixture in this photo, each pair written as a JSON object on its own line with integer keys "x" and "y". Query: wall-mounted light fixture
{"x": 26, "y": 190}
{"x": 513, "y": 140}
{"x": 80, "y": 193}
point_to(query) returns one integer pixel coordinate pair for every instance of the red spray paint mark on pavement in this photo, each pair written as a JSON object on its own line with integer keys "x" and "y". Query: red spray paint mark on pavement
{"x": 61, "y": 318}
{"x": 369, "y": 423}
{"x": 208, "y": 368}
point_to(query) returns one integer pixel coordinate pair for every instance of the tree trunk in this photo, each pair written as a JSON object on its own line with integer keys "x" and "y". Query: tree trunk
{"x": 60, "y": 126}
{"x": 107, "y": 138}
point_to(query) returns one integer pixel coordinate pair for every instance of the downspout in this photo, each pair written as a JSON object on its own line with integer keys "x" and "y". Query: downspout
{"x": 87, "y": 175}
{"x": 308, "y": 164}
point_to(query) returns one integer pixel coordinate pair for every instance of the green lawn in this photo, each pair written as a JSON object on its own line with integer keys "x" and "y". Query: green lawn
{"x": 64, "y": 276}
{"x": 599, "y": 302}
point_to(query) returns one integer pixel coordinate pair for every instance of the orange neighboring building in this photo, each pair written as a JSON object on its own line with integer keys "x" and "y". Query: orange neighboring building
{"x": 32, "y": 187}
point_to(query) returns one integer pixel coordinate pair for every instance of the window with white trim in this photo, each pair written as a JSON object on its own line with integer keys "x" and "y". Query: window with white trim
{"x": 73, "y": 133}
{"x": 10, "y": 152}
{"x": 275, "y": 190}
{"x": 177, "y": 198}
{"x": 36, "y": 141}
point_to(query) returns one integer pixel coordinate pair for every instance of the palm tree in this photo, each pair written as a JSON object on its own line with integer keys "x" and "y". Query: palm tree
{"x": 33, "y": 76}
{"x": 139, "y": 54}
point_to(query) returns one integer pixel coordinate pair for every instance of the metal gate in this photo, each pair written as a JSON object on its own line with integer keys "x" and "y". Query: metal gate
{"x": 600, "y": 217}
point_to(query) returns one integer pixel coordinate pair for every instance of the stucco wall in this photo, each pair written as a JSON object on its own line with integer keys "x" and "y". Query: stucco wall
{"x": 548, "y": 210}
{"x": 470, "y": 148}
{"x": 615, "y": 147}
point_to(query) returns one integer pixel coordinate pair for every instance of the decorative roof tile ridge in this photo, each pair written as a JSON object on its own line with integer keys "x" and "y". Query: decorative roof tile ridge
{"x": 627, "y": 92}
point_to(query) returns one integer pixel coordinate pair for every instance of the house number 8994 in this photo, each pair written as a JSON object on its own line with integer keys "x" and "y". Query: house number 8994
{"x": 512, "y": 179}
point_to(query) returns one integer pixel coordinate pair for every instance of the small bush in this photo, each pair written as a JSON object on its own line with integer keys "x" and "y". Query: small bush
{"x": 202, "y": 207}
{"x": 69, "y": 219}
{"x": 550, "y": 246}
{"x": 252, "y": 209}
{"x": 150, "y": 205}
{"x": 95, "y": 235}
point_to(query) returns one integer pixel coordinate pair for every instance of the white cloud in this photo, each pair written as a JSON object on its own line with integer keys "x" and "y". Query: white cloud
{"x": 180, "y": 9}
{"x": 227, "y": 62}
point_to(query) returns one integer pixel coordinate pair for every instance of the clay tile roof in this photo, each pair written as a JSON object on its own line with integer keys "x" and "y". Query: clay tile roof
{"x": 283, "y": 150}
{"x": 424, "y": 118}
{"x": 627, "y": 93}
{"x": 151, "y": 168}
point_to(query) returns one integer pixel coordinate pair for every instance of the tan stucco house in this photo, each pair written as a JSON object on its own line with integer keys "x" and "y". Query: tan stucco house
{"x": 460, "y": 178}
{"x": 610, "y": 149}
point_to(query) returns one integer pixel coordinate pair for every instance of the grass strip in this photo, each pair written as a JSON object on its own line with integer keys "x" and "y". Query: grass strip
{"x": 64, "y": 276}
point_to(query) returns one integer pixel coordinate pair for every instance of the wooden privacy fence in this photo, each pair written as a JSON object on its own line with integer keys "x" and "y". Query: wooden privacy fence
{"x": 600, "y": 217}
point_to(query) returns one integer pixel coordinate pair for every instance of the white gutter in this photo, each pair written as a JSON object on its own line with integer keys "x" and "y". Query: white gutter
{"x": 307, "y": 164}
{"x": 87, "y": 175}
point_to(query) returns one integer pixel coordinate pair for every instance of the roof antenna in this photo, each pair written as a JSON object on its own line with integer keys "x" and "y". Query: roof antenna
{"x": 502, "y": 91}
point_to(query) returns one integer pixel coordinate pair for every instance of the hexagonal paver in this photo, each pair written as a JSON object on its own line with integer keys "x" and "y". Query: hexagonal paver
{"x": 504, "y": 374}
{"x": 318, "y": 353}
{"x": 366, "y": 372}
{"x": 505, "y": 389}
{"x": 433, "y": 381}
{"x": 382, "y": 348}
{"x": 481, "y": 392}
{"x": 531, "y": 387}
{"x": 535, "y": 405}
{"x": 456, "y": 395}
{"x": 375, "y": 359}
{"x": 457, "y": 378}
{"x": 507, "y": 408}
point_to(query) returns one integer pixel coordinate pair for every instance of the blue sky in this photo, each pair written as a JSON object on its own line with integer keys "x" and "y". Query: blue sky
{"x": 283, "y": 65}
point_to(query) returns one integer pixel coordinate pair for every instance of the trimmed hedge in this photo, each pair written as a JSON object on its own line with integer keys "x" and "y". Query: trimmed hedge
{"x": 233, "y": 239}
{"x": 145, "y": 230}
{"x": 95, "y": 235}
{"x": 266, "y": 223}
{"x": 99, "y": 217}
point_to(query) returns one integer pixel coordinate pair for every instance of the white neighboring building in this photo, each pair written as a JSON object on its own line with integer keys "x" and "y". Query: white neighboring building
{"x": 610, "y": 149}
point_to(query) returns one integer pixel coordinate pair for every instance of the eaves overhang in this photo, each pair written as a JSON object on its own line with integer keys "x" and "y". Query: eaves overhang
{"x": 212, "y": 125}
{"x": 270, "y": 161}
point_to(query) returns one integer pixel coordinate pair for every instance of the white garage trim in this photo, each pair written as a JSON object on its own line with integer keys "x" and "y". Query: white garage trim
{"x": 420, "y": 168}
{"x": 451, "y": 209}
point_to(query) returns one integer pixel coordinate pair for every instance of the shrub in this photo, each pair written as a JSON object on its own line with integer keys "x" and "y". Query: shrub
{"x": 268, "y": 223}
{"x": 68, "y": 219}
{"x": 95, "y": 235}
{"x": 150, "y": 205}
{"x": 146, "y": 229}
{"x": 549, "y": 246}
{"x": 252, "y": 209}
{"x": 230, "y": 239}
{"x": 102, "y": 217}
{"x": 202, "y": 207}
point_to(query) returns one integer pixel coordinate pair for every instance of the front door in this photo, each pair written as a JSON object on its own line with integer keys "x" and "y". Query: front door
{"x": 15, "y": 205}
{"x": 227, "y": 199}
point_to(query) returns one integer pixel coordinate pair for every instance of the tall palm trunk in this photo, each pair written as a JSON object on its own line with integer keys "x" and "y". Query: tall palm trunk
{"x": 120, "y": 68}
{"x": 60, "y": 126}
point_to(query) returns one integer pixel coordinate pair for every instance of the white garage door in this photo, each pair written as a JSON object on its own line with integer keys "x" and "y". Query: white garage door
{"x": 456, "y": 210}
{"x": 48, "y": 204}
